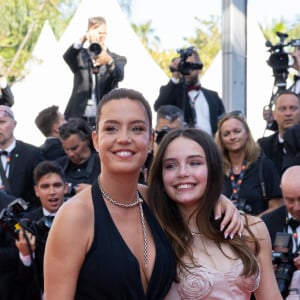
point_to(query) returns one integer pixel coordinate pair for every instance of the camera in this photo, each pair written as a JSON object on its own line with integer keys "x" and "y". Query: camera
{"x": 282, "y": 256}
{"x": 279, "y": 59}
{"x": 11, "y": 220}
{"x": 184, "y": 67}
{"x": 71, "y": 189}
{"x": 241, "y": 204}
{"x": 94, "y": 50}
{"x": 161, "y": 133}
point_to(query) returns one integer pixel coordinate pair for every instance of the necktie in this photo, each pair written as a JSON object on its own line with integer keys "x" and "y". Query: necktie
{"x": 296, "y": 77}
{"x": 48, "y": 220}
{"x": 294, "y": 224}
{"x": 194, "y": 87}
{"x": 3, "y": 152}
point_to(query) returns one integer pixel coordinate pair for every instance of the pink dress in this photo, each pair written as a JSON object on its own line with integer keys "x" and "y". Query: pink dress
{"x": 206, "y": 283}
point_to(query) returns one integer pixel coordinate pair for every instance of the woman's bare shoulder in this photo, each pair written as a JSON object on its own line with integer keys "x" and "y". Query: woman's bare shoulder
{"x": 257, "y": 226}
{"x": 79, "y": 208}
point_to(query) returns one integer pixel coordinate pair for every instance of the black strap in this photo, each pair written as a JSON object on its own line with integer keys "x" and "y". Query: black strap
{"x": 261, "y": 177}
{"x": 4, "y": 179}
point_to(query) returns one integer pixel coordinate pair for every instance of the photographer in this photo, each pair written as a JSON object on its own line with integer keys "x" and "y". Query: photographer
{"x": 286, "y": 218}
{"x": 96, "y": 71}
{"x": 280, "y": 62}
{"x": 287, "y": 114}
{"x": 201, "y": 106}
{"x": 50, "y": 187}
{"x": 81, "y": 162}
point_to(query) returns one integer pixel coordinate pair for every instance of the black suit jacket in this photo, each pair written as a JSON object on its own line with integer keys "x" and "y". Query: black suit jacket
{"x": 32, "y": 276}
{"x": 276, "y": 221}
{"x": 292, "y": 147}
{"x": 7, "y": 97}
{"x": 176, "y": 94}
{"x": 23, "y": 160}
{"x": 80, "y": 64}
{"x": 273, "y": 149}
{"x": 11, "y": 287}
{"x": 52, "y": 149}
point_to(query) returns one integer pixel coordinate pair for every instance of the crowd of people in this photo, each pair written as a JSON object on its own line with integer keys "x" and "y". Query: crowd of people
{"x": 111, "y": 207}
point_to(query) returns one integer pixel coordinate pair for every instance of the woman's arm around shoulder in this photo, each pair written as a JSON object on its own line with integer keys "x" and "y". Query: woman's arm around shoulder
{"x": 69, "y": 240}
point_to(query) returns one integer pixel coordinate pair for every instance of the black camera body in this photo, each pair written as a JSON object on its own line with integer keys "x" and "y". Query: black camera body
{"x": 279, "y": 59}
{"x": 11, "y": 220}
{"x": 161, "y": 133}
{"x": 184, "y": 67}
{"x": 71, "y": 189}
{"x": 282, "y": 256}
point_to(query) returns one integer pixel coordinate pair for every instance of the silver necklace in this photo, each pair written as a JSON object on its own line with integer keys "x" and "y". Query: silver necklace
{"x": 126, "y": 205}
{"x": 138, "y": 202}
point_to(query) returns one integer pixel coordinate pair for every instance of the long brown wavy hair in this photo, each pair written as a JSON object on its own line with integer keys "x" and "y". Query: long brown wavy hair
{"x": 169, "y": 216}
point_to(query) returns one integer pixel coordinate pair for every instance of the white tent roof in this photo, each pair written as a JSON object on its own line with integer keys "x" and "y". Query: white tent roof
{"x": 141, "y": 71}
{"x": 50, "y": 81}
{"x": 41, "y": 88}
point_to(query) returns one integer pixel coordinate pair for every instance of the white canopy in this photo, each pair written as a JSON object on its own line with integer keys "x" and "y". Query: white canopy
{"x": 50, "y": 81}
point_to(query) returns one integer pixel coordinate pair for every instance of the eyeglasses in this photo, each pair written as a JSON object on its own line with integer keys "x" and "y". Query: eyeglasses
{"x": 234, "y": 113}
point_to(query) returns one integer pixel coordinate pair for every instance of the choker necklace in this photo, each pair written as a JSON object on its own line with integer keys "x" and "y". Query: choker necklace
{"x": 121, "y": 204}
{"x": 138, "y": 202}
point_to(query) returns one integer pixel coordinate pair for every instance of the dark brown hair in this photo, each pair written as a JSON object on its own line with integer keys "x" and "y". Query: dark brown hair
{"x": 169, "y": 216}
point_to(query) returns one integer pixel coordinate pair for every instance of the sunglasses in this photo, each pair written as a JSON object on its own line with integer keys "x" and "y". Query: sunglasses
{"x": 234, "y": 113}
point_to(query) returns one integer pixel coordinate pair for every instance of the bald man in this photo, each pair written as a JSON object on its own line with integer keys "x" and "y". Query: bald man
{"x": 279, "y": 220}
{"x": 284, "y": 220}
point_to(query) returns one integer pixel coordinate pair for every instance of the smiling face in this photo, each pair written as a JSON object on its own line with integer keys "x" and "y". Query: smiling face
{"x": 123, "y": 137}
{"x": 185, "y": 172}
{"x": 234, "y": 135}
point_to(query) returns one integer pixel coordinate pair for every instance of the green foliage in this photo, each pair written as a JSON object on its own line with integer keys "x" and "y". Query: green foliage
{"x": 20, "y": 25}
{"x": 22, "y": 20}
{"x": 207, "y": 41}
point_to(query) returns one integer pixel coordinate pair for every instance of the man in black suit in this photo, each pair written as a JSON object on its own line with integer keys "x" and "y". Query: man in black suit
{"x": 48, "y": 121}
{"x": 96, "y": 71}
{"x": 287, "y": 217}
{"x": 50, "y": 187}
{"x": 201, "y": 107}
{"x": 287, "y": 114}
{"x": 18, "y": 159}
{"x": 292, "y": 147}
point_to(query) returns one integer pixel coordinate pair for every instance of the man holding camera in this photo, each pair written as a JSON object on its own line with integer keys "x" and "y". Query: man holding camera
{"x": 50, "y": 188}
{"x": 286, "y": 219}
{"x": 96, "y": 71}
{"x": 201, "y": 106}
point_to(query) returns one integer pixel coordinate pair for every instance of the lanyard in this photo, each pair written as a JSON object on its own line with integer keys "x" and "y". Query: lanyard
{"x": 236, "y": 181}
